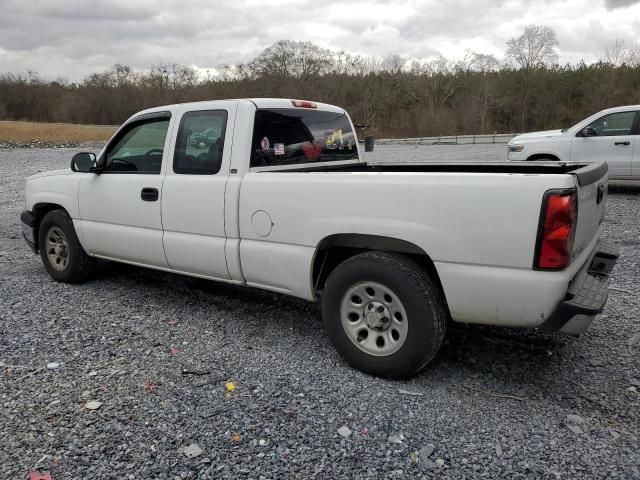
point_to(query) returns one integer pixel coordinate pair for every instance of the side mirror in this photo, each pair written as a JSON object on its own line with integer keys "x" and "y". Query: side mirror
{"x": 588, "y": 131}
{"x": 83, "y": 162}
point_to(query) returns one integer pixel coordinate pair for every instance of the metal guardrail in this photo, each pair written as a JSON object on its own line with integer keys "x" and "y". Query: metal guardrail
{"x": 451, "y": 139}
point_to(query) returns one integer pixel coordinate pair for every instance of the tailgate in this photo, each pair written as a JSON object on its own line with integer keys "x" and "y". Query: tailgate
{"x": 592, "y": 200}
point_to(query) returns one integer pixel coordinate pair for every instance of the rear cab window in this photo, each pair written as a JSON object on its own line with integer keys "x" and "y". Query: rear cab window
{"x": 292, "y": 136}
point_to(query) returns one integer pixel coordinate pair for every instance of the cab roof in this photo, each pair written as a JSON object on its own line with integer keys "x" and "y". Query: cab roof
{"x": 622, "y": 108}
{"x": 258, "y": 102}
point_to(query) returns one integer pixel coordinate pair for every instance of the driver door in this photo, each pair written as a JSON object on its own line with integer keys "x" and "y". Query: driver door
{"x": 120, "y": 207}
{"x": 613, "y": 140}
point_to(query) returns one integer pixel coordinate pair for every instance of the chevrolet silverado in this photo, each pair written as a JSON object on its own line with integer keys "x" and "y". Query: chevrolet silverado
{"x": 282, "y": 200}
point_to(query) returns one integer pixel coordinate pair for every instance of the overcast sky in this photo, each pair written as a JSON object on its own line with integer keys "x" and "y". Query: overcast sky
{"x": 72, "y": 38}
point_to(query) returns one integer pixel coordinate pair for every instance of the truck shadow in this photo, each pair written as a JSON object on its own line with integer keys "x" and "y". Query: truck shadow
{"x": 628, "y": 187}
{"x": 518, "y": 357}
{"x": 512, "y": 354}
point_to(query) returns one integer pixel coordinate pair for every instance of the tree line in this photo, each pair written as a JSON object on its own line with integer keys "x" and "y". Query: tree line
{"x": 477, "y": 94}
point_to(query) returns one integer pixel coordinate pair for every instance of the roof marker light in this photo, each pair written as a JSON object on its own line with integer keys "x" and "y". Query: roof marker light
{"x": 303, "y": 104}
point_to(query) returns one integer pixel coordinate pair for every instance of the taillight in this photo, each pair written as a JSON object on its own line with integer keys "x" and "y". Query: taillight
{"x": 556, "y": 230}
{"x": 303, "y": 104}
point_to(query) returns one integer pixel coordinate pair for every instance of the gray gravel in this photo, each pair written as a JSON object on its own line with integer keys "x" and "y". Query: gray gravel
{"x": 41, "y": 144}
{"x": 438, "y": 153}
{"x": 142, "y": 389}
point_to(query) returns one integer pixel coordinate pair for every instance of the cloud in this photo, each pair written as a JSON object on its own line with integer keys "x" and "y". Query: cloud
{"x": 611, "y": 4}
{"x": 74, "y": 38}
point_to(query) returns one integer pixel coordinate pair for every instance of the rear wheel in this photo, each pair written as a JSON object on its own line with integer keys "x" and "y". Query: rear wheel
{"x": 62, "y": 255}
{"x": 384, "y": 314}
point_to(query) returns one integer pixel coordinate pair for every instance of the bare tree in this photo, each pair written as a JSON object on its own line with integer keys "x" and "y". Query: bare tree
{"x": 634, "y": 56}
{"x": 347, "y": 64}
{"x": 393, "y": 63}
{"x": 172, "y": 76}
{"x": 122, "y": 75}
{"x": 484, "y": 66}
{"x": 535, "y": 48}
{"x": 483, "y": 63}
{"x": 287, "y": 58}
{"x": 617, "y": 54}
{"x": 434, "y": 82}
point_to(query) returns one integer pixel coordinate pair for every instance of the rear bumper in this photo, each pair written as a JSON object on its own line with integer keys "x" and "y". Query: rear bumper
{"x": 586, "y": 295}
{"x": 28, "y": 224}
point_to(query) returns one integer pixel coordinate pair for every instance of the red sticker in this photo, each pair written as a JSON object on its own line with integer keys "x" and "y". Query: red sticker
{"x": 312, "y": 151}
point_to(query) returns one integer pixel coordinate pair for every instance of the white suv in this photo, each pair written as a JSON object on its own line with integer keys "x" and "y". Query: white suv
{"x": 610, "y": 135}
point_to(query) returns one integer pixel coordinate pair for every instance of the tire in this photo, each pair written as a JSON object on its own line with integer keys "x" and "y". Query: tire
{"x": 404, "y": 298}
{"x": 62, "y": 255}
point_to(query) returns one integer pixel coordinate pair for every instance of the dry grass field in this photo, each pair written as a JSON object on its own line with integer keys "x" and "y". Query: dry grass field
{"x": 53, "y": 132}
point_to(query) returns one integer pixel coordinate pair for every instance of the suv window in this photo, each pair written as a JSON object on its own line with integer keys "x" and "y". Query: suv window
{"x": 620, "y": 123}
{"x": 290, "y": 136}
{"x": 200, "y": 142}
{"x": 139, "y": 148}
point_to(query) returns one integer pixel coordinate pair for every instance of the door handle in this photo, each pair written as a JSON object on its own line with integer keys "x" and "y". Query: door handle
{"x": 600, "y": 194}
{"x": 149, "y": 194}
{"x": 622, "y": 143}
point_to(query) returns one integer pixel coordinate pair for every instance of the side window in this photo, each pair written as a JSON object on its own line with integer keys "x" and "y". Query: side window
{"x": 296, "y": 136}
{"x": 620, "y": 123}
{"x": 139, "y": 148}
{"x": 200, "y": 142}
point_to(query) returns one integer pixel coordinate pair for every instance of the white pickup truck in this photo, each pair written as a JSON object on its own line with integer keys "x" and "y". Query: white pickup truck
{"x": 612, "y": 135}
{"x": 273, "y": 193}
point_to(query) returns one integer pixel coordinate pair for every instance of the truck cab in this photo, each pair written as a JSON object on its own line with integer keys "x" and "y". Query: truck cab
{"x": 611, "y": 135}
{"x": 159, "y": 195}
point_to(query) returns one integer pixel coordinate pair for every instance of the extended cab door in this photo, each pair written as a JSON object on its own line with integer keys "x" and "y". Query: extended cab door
{"x": 614, "y": 142}
{"x": 120, "y": 207}
{"x": 194, "y": 190}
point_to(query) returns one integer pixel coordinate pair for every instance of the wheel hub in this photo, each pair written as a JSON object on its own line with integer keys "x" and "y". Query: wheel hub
{"x": 374, "y": 318}
{"x": 377, "y": 316}
{"x": 57, "y": 248}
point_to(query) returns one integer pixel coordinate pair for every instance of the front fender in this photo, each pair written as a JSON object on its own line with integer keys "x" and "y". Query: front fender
{"x": 58, "y": 190}
{"x": 559, "y": 148}
{"x": 562, "y": 157}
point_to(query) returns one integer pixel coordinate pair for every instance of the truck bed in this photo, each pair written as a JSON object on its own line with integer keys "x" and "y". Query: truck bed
{"x": 586, "y": 172}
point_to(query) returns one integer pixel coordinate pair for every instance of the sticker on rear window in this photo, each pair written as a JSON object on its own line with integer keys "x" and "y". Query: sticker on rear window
{"x": 278, "y": 148}
{"x": 264, "y": 144}
{"x": 335, "y": 140}
{"x": 312, "y": 151}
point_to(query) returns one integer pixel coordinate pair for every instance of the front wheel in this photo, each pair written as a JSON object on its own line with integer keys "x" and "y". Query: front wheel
{"x": 384, "y": 314}
{"x": 60, "y": 250}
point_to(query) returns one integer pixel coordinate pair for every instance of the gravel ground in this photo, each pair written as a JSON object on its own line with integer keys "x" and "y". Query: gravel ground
{"x": 443, "y": 153}
{"x": 157, "y": 350}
